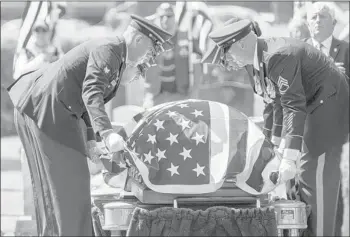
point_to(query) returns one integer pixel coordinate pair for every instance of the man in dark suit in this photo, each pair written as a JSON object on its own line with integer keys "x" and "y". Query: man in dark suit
{"x": 49, "y": 103}
{"x": 321, "y": 23}
{"x": 293, "y": 77}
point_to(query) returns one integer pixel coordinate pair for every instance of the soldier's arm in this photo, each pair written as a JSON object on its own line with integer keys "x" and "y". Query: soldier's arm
{"x": 268, "y": 119}
{"x": 273, "y": 120}
{"x": 285, "y": 71}
{"x": 276, "y": 132}
{"x": 90, "y": 134}
{"x": 102, "y": 68}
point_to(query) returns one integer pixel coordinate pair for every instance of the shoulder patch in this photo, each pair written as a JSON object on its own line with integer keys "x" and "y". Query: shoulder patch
{"x": 282, "y": 85}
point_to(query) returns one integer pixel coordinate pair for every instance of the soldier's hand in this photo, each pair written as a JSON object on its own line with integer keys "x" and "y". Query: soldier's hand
{"x": 94, "y": 152}
{"x": 114, "y": 142}
{"x": 287, "y": 170}
{"x": 340, "y": 66}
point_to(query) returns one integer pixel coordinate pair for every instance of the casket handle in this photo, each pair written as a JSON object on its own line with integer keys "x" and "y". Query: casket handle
{"x": 252, "y": 199}
{"x": 274, "y": 177}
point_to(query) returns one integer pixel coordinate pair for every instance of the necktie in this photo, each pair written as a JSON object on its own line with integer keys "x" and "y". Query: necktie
{"x": 321, "y": 48}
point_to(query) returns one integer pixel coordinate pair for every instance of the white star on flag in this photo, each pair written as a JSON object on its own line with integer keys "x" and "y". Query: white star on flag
{"x": 185, "y": 124}
{"x": 199, "y": 170}
{"x": 183, "y": 106}
{"x": 159, "y": 124}
{"x": 186, "y": 153}
{"x": 171, "y": 113}
{"x": 198, "y": 138}
{"x": 197, "y": 113}
{"x": 173, "y": 169}
{"x": 151, "y": 138}
{"x": 160, "y": 154}
{"x": 106, "y": 70}
{"x": 148, "y": 157}
{"x": 122, "y": 165}
{"x": 172, "y": 138}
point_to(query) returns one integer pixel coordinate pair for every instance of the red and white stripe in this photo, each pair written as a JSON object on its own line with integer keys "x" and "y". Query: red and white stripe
{"x": 194, "y": 17}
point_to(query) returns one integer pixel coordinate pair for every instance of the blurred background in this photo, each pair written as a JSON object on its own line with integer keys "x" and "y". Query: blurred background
{"x": 85, "y": 20}
{"x": 81, "y": 21}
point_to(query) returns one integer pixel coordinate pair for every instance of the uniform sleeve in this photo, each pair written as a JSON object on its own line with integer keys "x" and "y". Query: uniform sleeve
{"x": 102, "y": 68}
{"x": 90, "y": 131}
{"x": 273, "y": 119}
{"x": 268, "y": 119}
{"x": 276, "y": 132}
{"x": 285, "y": 71}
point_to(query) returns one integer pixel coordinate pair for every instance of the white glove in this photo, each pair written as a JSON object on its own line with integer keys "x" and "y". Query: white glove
{"x": 94, "y": 151}
{"x": 287, "y": 170}
{"x": 114, "y": 142}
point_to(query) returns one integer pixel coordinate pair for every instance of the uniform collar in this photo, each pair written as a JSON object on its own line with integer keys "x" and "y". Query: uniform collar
{"x": 326, "y": 43}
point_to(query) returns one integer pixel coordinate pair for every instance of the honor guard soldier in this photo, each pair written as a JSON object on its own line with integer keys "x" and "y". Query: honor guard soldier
{"x": 48, "y": 105}
{"x": 294, "y": 78}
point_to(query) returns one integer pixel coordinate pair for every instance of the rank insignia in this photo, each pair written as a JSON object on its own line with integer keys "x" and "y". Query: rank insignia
{"x": 282, "y": 85}
{"x": 106, "y": 70}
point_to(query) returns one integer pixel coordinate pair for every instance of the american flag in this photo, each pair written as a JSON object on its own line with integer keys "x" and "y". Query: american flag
{"x": 49, "y": 12}
{"x": 192, "y": 146}
{"x": 195, "y": 18}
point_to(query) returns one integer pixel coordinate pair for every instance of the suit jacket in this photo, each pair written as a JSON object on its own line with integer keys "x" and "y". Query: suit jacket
{"x": 76, "y": 86}
{"x": 339, "y": 51}
{"x": 293, "y": 78}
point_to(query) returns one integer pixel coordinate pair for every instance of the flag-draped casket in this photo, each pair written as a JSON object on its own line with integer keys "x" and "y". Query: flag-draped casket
{"x": 193, "y": 146}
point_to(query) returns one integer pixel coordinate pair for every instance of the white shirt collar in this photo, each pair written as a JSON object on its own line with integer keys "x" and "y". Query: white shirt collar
{"x": 256, "y": 61}
{"x": 326, "y": 43}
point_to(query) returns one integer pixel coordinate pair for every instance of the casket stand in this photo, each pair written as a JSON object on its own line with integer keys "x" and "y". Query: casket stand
{"x": 117, "y": 207}
{"x": 229, "y": 211}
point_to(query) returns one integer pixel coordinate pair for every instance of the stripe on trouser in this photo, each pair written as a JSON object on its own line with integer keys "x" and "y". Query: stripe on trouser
{"x": 320, "y": 194}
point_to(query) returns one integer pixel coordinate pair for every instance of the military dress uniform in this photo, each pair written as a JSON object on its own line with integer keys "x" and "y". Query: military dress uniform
{"x": 49, "y": 103}
{"x": 304, "y": 108}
